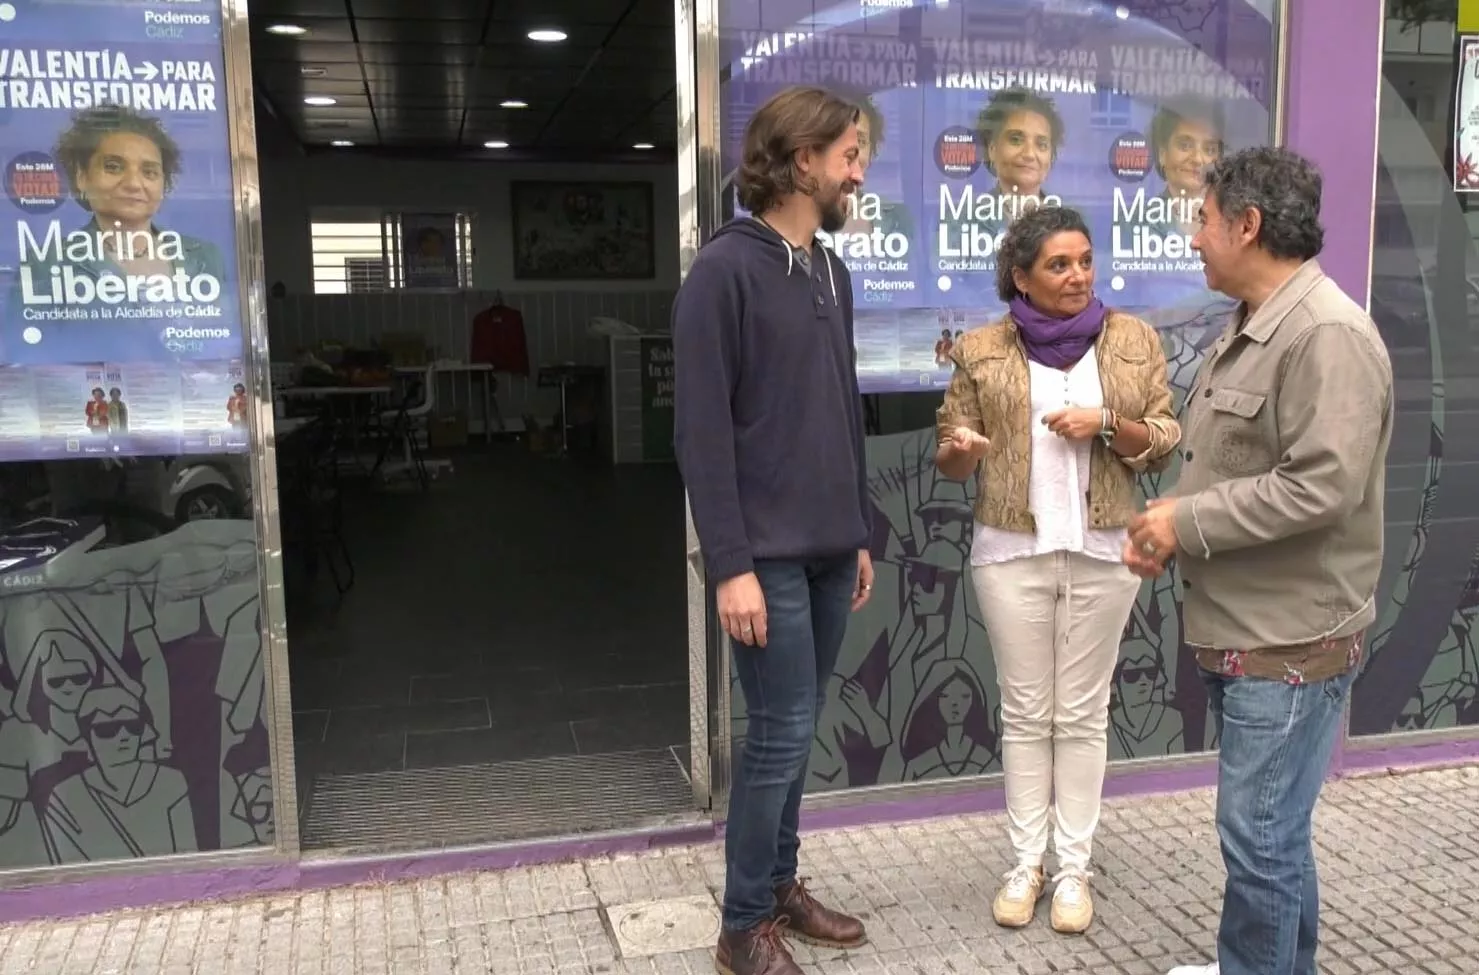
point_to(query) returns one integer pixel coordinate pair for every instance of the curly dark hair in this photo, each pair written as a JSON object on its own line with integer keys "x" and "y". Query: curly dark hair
{"x": 1284, "y": 187}
{"x": 76, "y": 146}
{"x": 1008, "y": 102}
{"x": 1171, "y": 114}
{"x": 800, "y": 117}
{"x": 1024, "y": 240}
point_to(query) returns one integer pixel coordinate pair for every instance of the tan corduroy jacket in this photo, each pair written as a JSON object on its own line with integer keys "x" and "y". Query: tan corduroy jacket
{"x": 990, "y": 394}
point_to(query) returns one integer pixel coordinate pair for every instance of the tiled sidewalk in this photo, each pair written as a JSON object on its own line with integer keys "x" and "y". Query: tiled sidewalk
{"x": 1398, "y": 857}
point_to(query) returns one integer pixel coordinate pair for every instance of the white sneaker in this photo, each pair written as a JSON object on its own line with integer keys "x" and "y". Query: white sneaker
{"x": 1073, "y": 904}
{"x": 1017, "y": 900}
{"x": 1211, "y": 969}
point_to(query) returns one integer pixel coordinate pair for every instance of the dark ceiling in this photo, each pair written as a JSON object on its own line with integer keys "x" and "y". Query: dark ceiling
{"x": 429, "y": 75}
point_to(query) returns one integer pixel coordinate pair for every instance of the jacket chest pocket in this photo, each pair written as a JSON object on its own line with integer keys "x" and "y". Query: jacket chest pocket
{"x": 1124, "y": 378}
{"x": 1238, "y": 434}
{"x": 1002, "y": 388}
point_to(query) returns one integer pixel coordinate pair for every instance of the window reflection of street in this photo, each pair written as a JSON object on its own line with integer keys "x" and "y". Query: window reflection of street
{"x": 1428, "y": 351}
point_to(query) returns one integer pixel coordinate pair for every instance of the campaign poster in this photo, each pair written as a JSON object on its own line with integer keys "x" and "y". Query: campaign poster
{"x": 118, "y": 270}
{"x": 429, "y": 250}
{"x": 213, "y": 407}
{"x": 1466, "y": 118}
{"x": 973, "y": 112}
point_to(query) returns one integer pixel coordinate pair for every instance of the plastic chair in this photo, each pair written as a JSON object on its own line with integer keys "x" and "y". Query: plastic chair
{"x": 312, "y": 499}
{"x": 409, "y": 423}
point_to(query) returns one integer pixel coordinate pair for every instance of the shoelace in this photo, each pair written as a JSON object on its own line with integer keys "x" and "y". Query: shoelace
{"x": 1072, "y": 883}
{"x": 1020, "y": 881}
{"x": 767, "y": 942}
{"x": 800, "y": 896}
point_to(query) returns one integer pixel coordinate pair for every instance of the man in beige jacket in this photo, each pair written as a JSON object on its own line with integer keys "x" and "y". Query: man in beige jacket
{"x": 1276, "y": 523}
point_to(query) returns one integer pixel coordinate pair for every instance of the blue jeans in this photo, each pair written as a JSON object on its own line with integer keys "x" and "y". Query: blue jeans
{"x": 807, "y": 604}
{"x": 1276, "y": 743}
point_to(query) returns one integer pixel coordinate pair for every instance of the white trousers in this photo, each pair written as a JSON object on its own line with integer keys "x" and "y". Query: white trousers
{"x": 1055, "y": 623}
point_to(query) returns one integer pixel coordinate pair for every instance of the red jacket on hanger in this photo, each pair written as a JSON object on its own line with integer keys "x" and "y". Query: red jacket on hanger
{"x": 498, "y": 339}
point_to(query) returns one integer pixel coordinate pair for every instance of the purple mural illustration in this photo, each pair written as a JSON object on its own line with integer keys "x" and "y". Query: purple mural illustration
{"x": 132, "y": 717}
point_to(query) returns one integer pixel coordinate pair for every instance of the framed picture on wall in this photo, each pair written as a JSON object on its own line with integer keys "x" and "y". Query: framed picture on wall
{"x": 586, "y": 231}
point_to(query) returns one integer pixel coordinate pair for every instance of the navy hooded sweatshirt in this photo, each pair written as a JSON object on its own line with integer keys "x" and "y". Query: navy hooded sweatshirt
{"x": 769, "y": 422}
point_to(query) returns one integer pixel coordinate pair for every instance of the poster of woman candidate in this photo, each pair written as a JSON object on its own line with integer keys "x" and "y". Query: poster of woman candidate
{"x": 995, "y": 107}
{"x": 117, "y": 246}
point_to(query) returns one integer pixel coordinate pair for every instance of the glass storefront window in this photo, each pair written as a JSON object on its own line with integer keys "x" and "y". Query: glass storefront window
{"x": 1422, "y": 672}
{"x": 975, "y": 110}
{"x": 132, "y": 687}
{"x": 132, "y": 695}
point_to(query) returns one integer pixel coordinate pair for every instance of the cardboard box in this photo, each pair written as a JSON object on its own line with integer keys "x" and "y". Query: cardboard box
{"x": 405, "y": 349}
{"x": 448, "y": 430}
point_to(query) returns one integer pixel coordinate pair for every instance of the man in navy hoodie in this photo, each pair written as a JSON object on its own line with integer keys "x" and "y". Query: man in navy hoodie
{"x": 769, "y": 436}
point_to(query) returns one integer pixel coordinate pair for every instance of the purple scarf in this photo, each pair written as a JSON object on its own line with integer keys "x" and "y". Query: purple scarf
{"x": 1057, "y": 342}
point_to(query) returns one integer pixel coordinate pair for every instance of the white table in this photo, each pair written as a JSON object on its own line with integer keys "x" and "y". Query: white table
{"x": 483, "y": 370}
{"x": 314, "y": 392}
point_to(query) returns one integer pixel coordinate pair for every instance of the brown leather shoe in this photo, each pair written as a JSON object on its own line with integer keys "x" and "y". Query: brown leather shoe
{"x": 809, "y": 921}
{"x": 758, "y": 951}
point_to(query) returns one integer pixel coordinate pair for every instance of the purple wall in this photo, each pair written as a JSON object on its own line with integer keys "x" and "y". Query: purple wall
{"x": 1331, "y": 93}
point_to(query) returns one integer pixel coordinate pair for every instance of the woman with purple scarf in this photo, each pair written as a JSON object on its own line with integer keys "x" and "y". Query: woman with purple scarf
{"x": 1054, "y": 409}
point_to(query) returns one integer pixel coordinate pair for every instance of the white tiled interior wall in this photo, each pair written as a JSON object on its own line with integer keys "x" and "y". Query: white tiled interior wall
{"x": 556, "y": 324}
{"x": 297, "y": 188}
